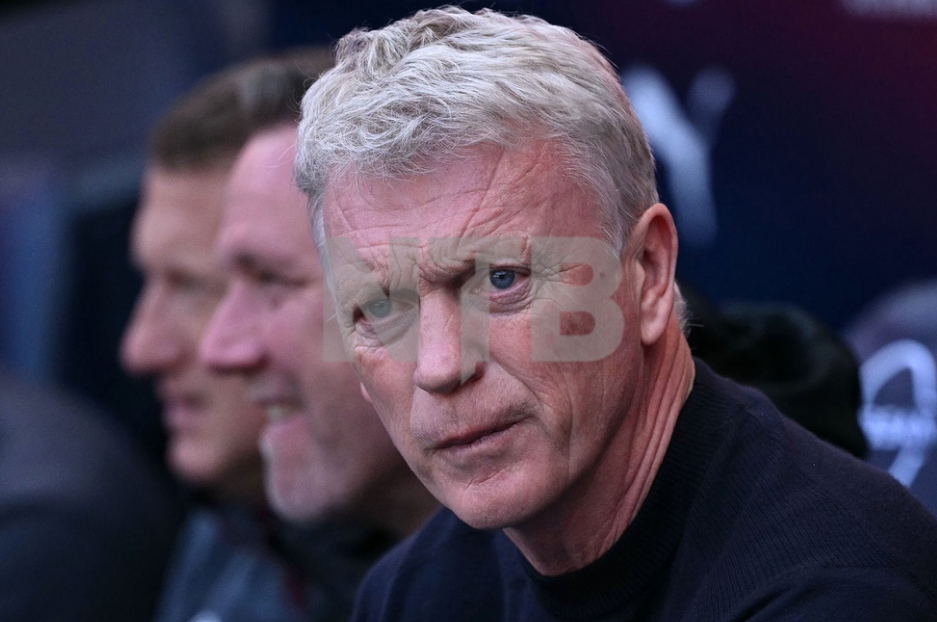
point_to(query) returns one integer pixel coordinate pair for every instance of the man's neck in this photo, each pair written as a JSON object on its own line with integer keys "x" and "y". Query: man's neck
{"x": 582, "y": 527}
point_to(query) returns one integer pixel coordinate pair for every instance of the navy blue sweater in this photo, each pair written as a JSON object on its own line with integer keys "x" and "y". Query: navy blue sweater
{"x": 750, "y": 518}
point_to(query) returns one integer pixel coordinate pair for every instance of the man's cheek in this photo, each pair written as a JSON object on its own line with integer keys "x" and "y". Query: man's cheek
{"x": 576, "y": 323}
{"x": 580, "y": 320}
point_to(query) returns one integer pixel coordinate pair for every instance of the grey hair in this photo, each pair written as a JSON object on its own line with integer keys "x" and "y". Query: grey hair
{"x": 425, "y": 89}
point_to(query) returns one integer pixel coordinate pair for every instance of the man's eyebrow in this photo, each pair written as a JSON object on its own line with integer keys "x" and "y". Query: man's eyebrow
{"x": 248, "y": 261}
{"x": 243, "y": 260}
{"x": 246, "y": 256}
{"x": 450, "y": 271}
{"x": 443, "y": 269}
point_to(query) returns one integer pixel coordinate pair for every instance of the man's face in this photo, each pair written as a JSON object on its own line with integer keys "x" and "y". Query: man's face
{"x": 212, "y": 427}
{"x": 449, "y": 327}
{"x": 325, "y": 450}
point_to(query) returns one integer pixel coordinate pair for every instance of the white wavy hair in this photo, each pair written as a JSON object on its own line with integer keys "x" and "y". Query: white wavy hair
{"x": 425, "y": 89}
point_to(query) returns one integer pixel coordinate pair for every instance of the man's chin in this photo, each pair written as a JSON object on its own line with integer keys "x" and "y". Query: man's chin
{"x": 285, "y": 437}
{"x": 491, "y": 517}
{"x": 188, "y": 462}
{"x": 490, "y": 505}
{"x": 289, "y": 500}
{"x": 295, "y": 492}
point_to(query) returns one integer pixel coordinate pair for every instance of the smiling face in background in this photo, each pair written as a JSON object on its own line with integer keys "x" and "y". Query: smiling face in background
{"x": 498, "y": 437}
{"x": 212, "y": 427}
{"x": 325, "y": 450}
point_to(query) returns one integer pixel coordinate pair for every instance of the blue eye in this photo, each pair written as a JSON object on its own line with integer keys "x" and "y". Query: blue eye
{"x": 502, "y": 279}
{"x": 378, "y": 309}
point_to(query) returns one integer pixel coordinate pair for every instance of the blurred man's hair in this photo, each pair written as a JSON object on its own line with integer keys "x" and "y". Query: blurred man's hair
{"x": 210, "y": 125}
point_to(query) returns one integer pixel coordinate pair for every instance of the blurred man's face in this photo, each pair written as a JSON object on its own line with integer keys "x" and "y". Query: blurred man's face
{"x": 458, "y": 311}
{"x": 212, "y": 426}
{"x": 324, "y": 447}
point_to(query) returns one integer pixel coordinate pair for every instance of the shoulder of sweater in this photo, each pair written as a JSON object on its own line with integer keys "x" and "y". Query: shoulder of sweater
{"x": 839, "y": 595}
{"x": 776, "y": 499}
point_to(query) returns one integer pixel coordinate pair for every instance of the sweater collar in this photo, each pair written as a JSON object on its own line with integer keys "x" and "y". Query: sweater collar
{"x": 635, "y": 567}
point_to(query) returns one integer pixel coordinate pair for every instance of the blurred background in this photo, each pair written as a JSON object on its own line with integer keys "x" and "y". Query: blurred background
{"x": 795, "y": 144}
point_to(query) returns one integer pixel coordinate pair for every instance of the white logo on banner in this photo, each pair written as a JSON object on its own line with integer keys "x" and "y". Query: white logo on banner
{"x": 911, "y": 431}
{"x": 683, "y": 140}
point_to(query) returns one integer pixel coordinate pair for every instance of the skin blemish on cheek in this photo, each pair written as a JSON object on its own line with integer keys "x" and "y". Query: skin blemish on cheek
{"x": 576, "y": 323}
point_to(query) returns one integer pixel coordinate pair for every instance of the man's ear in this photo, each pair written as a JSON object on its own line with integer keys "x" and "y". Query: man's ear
{"x": 654, "y": 244}
{"x": 364, "y": 392}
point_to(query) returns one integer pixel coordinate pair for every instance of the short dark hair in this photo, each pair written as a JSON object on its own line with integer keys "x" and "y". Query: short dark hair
{"x": 210, "y": 125}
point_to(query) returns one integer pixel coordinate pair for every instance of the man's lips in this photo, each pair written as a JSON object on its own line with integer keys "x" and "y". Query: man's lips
{"x": 175, "y": 393}
{"x": 466, "y": 439}
{"x": 279, "y": 410}
{"x": 180, "y": 405}
{"x": 277, "y": 403}
{"x": 182, "y": 415}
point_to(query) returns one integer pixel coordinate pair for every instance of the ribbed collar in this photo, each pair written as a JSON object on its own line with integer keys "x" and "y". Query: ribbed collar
{"x": 328, "y": 548}
{"x": 636, "y": 566}
{"x": 318, "y": 552}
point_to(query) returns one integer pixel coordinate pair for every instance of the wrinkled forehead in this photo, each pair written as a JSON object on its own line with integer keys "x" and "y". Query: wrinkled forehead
{"x": 490, "y": 206}
{"x": 484, "y": 191}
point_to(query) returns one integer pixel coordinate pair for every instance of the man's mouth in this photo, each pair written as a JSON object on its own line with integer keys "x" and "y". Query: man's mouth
{"x": 474, "y": 437}
{"x": 278, "y": 398}
{"x": 279, "y": 412}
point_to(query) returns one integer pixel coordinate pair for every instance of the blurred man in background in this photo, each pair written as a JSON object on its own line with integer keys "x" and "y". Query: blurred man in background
{"x": 224, "y": 563}
{"x": 212, "y": 427}
{"x": 327, "y": 456}
{"x": 237, "y": 561}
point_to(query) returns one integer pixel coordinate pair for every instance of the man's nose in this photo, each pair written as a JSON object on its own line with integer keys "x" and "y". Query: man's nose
{"x": 452, "y": 345}
{"x": 153, "y": 341}
{"x": 232, "y": 340}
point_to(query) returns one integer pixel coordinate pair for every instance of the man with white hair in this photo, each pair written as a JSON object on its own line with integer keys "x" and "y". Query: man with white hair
{"x": 485, "y": 200}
